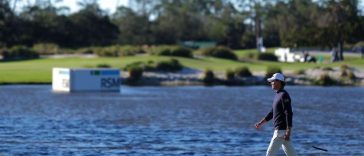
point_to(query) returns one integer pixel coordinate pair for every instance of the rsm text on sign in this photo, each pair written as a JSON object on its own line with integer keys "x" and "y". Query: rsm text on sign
{"x": 110, "y": 82}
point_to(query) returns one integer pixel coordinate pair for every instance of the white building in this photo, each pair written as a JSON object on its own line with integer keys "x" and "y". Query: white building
{"x": 70, "y": 80}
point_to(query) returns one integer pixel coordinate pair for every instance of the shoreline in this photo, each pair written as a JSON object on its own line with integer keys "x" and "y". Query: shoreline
{"x": 245, "y": 82}
{"x": 189, "y": 77}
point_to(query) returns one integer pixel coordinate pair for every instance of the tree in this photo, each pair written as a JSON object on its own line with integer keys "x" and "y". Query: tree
{"x": 177, "y": 21}
{"x": 92, "y": 28}
{"x": 8, "y": 24}
{"x": 294, "y": 22}
{"x": 45, "y": 25}
{"x": 341, "y": 20}
{"x": 235, "y": 27}
{"x": 133, "y": 28}
{"x": 327, "y": 23}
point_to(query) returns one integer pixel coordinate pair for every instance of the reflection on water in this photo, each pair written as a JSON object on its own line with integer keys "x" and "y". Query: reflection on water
{"x": 174, "y": 121}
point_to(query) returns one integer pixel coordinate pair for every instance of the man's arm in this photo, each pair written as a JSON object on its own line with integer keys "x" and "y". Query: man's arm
{"x": 260, "y": 123}
{"x": 269, "y": 115}
{"x": 264, "y": 120}
{"x": 289, "y": 114}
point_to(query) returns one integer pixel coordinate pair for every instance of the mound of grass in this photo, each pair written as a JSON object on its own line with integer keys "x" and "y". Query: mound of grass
{"x": 220, "y": 52}
{"x": 243, "y": 72}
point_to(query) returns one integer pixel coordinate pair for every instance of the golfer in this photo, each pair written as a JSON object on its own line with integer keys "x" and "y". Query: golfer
{"x": 282, "y": 117}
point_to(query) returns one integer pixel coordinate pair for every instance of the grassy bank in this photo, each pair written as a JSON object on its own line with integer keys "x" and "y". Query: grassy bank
{"x": 39, "y": 70}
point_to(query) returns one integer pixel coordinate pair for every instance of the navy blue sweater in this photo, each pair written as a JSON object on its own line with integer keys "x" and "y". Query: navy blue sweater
{"x": 281, "y": 111}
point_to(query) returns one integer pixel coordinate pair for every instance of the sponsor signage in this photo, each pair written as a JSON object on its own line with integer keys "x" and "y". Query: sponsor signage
{"x": 66, "y": 79}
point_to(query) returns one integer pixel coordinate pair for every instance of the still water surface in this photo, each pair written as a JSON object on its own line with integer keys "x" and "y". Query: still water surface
{"x": 175, "y": 121}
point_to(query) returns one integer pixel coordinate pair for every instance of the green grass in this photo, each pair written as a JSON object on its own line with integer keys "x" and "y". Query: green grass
{"x": 40, "y": 70}
{"x": 244, "y": 53}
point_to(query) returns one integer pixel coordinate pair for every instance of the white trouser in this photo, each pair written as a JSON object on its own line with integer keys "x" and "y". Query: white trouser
{"x": 278, "y": 141}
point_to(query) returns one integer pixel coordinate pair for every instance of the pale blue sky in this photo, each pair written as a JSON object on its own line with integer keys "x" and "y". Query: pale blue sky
{"x": 111, "y": 5}
{"x": 108, "y": 5}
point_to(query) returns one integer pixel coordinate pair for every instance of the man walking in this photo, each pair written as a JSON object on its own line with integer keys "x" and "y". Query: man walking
{"x": 282, "y": 117}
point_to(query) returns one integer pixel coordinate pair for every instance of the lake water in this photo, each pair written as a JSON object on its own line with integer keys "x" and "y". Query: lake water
{"x": 175, "y": 121}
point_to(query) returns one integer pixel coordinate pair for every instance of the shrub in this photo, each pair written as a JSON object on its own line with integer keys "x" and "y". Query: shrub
{"x": 230, "y": 75}
{"x": 252, "y": 55}
{"x": 351, "y": 75}
{"x": 87, "y": 50}
{"x": 137, "y": 64}
{"x": 344, "y": 67}
{"x": 272, "y": 70}
{"x": 171, "y": 65}
{"x": 230, "y": 78}
{"x": 116, "y": 50}
{"x": 19, "y": 53}
{"x": 4, "y": 54}
{"x": 160, "y": 50}
{"x": 300, "y": 72}
{"x": 348, "y": 73}
{"x": 220, "y": 52}
{"x": 209, "y": 78}
{"x": 107, "y": 52}
{"x": 149, "y": 66}
{"x": 172, "y": 51}
{"x": 243, "y": 72}
{"x": 103, "y": 65}
{"x": 325, "y": 80}
{"x": 130, "y": 51}
{"x": 135, "y": 73}
{"x": 344, "y": 73}
{"x": 46, "y": 48}
{"x": 327, "y": 69}
{"x": 182, "y": 52}
{"x": 267, "y": 57}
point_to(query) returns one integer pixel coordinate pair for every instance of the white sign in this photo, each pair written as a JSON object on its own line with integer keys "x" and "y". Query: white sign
{"x": 61, "y": 79}
{"x": 68, "y": 80}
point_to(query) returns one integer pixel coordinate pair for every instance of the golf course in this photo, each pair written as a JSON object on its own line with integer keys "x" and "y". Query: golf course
{"x": 39, "y": 70}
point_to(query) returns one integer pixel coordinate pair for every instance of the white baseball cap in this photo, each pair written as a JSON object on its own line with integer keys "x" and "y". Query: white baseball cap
{"x": 276, "y": 76}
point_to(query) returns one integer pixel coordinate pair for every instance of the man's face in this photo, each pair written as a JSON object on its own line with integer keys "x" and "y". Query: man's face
{"x": 276, "y": 85}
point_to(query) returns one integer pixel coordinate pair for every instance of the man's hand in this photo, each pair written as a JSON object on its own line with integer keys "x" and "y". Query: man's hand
{"x": 260, "y": 124}
{"x": 287, "y": 135}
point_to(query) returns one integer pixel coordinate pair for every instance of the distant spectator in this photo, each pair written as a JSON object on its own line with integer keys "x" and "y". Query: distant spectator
{"x": 321, "y": 59}
{"x": 362, "y": 52}
{"x": 311, "y": 59}
{"x": 285, "y": 57}
{"x": 334, "y": 56}
{"x": 308, "y": 58}
{"x": 305, "y": 55}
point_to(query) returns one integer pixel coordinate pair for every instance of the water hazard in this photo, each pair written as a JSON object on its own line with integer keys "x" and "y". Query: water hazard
{"x": 175, "y": 121}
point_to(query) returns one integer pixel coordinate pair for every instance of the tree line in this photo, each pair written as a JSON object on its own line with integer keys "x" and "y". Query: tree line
{"x": 233, "y": 23}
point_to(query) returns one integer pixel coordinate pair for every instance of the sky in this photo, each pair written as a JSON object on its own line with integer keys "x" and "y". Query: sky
{"x": 108, "y": 5}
